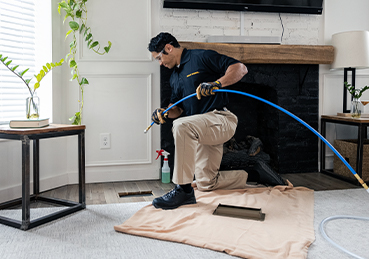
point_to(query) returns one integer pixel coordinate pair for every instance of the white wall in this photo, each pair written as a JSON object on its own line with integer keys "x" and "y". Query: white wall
{"x": 124, "y": 85}
{"x": 122, "y": 92}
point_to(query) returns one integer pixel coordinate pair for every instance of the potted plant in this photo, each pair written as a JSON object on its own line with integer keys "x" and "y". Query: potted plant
{"x": 76, "y": 10}
{"x": 356, "y": 105}
{"x": 32, "y": 102}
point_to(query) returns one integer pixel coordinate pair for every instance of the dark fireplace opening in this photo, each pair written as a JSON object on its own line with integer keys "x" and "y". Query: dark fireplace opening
{"x": 255, "y": 118}
{"x": 290, "y": 146}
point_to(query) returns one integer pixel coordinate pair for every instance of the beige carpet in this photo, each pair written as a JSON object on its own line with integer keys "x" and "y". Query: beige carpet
{"x": 286, "y": 232}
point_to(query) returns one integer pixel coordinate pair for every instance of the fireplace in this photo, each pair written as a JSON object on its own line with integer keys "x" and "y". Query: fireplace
{"x": 295, "y": 87}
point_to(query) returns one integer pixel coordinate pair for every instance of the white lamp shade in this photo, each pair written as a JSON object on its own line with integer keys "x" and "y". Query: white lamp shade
{"x": 351, "y": 49}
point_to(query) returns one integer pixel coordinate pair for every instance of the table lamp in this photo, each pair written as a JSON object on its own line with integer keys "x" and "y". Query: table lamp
{"x": 351, "y": 52}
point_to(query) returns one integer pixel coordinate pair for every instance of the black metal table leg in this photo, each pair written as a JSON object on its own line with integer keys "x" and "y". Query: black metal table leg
{"x": 322, "y": 145}
{"x": 26, "y": 200}
{"x": 36, "y": 167}
{"x": 360, "y": 151}
{"x": 81, "y": 169}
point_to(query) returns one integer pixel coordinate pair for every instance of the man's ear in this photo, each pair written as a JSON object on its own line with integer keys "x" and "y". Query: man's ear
{"x": 168, "y": 48}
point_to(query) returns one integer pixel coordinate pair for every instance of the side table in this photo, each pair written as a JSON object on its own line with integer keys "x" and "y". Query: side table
{"x": 35, "y": 134}
{"x": 361, "y": 124}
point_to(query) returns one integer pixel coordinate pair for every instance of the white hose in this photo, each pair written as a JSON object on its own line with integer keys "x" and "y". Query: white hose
{"x": 321, "y": 228}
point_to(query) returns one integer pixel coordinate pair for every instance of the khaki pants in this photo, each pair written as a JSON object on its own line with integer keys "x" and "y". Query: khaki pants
{"x": 199, "y": 143}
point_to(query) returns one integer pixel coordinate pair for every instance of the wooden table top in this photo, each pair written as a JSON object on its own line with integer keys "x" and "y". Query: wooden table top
{"x": 51, "y": 128}
{"x": 345, "y": 118}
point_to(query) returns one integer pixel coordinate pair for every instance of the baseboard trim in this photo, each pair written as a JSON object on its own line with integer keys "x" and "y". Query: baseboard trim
{"x": 15, "y": 191}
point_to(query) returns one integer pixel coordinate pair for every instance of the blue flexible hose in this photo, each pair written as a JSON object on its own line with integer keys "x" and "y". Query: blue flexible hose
{"x": 288, "y": 113}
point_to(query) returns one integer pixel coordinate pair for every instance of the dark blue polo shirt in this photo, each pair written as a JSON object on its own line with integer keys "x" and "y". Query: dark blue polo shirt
{"x": 198, "y": 66}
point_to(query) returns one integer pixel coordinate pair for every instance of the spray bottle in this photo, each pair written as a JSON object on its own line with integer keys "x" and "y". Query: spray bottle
{"x": 165, "y": 170}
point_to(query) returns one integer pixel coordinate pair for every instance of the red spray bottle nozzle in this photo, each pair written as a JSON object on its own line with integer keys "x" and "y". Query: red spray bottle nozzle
{"x": 160, "y": 153}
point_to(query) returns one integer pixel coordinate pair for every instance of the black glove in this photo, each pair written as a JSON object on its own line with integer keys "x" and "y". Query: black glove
{"x": 206, "y": 89}
{"x": 157, "y": 116}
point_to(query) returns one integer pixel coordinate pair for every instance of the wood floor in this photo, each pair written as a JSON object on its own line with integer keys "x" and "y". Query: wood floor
{"x": 105, "y": 193}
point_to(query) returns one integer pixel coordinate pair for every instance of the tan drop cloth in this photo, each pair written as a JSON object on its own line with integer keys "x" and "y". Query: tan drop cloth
{"x": 287, "y": 231}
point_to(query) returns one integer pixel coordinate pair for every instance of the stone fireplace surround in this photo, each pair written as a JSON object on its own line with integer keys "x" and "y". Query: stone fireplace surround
{"x": 287, "y": 75}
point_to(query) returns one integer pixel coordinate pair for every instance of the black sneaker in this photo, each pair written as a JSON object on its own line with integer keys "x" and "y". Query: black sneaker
{"x": 173, "y": 199}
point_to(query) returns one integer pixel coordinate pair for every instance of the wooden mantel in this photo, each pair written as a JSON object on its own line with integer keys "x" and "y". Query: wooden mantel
{"x": 270, "y": 53}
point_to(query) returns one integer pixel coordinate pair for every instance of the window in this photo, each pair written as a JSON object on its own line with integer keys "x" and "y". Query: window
{"x": 17, "y": 42}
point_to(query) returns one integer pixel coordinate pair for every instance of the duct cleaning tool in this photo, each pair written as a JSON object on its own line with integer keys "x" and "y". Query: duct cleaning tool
{"x": 288, "y": 113}
{"x": 239, "y": 212}
{"x": 165, "y": 170}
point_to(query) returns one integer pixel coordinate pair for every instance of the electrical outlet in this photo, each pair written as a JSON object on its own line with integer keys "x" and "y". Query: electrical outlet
{"x": 104, "y": 140}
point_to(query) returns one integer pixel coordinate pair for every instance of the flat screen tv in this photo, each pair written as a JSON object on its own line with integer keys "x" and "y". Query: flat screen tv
{"x": 276, "y": 6}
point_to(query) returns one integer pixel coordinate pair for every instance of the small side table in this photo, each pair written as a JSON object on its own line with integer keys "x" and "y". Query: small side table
{"x": 361, "y": 124}
{"x": 25, "y": 135}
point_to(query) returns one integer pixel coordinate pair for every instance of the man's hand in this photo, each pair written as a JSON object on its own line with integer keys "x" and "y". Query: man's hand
{"x": 206, "y": 89}
{"x": 157, "y": 116}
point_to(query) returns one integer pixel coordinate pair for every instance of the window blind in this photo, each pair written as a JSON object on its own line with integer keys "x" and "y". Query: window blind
{"x": 17, "y": 42}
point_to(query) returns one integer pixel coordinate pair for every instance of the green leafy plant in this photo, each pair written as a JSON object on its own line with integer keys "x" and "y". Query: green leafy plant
{"x": 76, "y": 10}
{"x": 43, "y": 72}
{"x": 356, "y": 93}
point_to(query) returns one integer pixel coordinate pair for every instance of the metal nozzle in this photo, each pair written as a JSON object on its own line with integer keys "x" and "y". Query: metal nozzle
{"x": 147, "y": 129}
